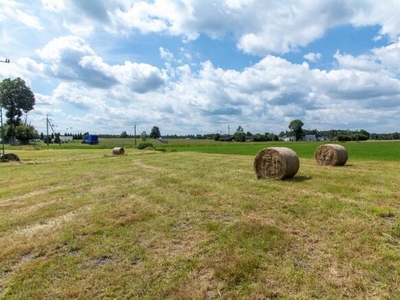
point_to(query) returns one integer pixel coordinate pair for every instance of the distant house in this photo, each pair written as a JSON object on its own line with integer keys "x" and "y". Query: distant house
{"x": 289, "y": 138}
{"x": 226, "y": 138}
{"x": 310, "y": 138}
{"x": 66, "y": 138}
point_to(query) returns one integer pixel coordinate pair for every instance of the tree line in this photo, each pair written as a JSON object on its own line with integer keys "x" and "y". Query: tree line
{"x": 240, "y": 135}
{"x": 295, "y": 133}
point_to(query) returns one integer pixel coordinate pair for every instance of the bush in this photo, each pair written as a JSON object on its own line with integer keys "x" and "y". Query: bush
{"x": 143, "y": 145}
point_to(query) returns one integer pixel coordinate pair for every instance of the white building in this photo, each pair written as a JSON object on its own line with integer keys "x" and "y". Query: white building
{"x": 66, "y": 138}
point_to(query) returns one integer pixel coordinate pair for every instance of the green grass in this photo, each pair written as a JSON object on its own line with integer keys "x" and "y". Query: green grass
{"x": 84, "y": 224}
{"x": 370, "y": 150}
{"x": 388, "y": 151}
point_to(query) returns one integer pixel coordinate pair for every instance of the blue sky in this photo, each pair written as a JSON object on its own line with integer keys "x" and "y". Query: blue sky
{"x": 197, "y": 67}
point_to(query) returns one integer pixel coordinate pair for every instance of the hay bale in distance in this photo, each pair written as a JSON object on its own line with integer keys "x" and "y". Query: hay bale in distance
{"x": 118, "y": 151}
{"x": 276, "y": 162}
{"x": 9, "y": 157}
{"x": 331, "y": 155}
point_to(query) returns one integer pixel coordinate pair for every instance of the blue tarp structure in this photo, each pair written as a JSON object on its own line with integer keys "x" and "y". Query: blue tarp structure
{"x": 91, "y": 139}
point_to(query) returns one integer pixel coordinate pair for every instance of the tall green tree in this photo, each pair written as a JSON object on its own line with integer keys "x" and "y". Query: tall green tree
{"x": 24, "y": 133}
{"x": 155, "y": 133}
{"x": 123, "y": 134}
{"x": 217, "y": 137}
{"x": 363, "y": 135}
{"x": 143, "y": 136}
{"x": 239, "y": 135}
{"x": 17, "y": 98}
{"x": 296, "y": 127}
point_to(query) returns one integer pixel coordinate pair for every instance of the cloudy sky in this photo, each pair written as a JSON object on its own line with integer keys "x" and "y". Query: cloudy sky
{"x": 199, "y": 66}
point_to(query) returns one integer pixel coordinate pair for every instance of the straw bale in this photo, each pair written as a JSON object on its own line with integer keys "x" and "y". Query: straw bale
{"x": 10, "y": 157}
{"x": 276, "y": 162}
{"x": 118, "y": 151}
{"x": 331, "y": 155}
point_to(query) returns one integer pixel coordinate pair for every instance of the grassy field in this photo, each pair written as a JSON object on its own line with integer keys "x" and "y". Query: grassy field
{"x": 371, "y": 150}
{"x": 388, "y": 151}
{"x": 180, "y": 224}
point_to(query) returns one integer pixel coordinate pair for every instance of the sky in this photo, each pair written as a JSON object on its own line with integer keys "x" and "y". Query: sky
{"x": 205, "y": 66}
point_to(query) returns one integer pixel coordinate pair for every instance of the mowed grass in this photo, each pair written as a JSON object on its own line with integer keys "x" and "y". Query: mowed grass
{"x": 84, "y": 224}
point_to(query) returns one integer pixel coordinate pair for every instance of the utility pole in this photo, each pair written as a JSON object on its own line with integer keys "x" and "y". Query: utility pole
{"x": 47, "y": 129}
{"x": 48, "y": 124}
{"x": 134, "y": 132}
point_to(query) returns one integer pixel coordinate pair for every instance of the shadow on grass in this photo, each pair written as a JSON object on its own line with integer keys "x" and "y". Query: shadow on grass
{"x": 299, "y": 178}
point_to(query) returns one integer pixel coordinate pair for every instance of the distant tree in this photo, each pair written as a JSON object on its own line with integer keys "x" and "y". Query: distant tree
{"x": 24, "y": 133}
{"x": 343, "y": 137}
{"x": 271, "y": 137}
{"x": 239, "y": 135}
{"x": 16, "y": 98}
{"x": 258, "y": 137}
{"x": 124, "y": 134}
{"x": 296, "y": 128}
{"x": 57, "y": 138}
{"x": 363, "y": 135}
{"x": 281, "y": 134}
{"x": 155, "y": 133}
{"x": 47, "y": 140}
{"x": 217, "y": 137}
{"x": 143, "y": 136}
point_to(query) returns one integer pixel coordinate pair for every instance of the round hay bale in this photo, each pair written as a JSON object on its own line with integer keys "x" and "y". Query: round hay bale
{"x": 331, "y": 155}
{"x": 276, "y": 162}
{"x": 10, "y": 157}
{"x": 118, "y": 151}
